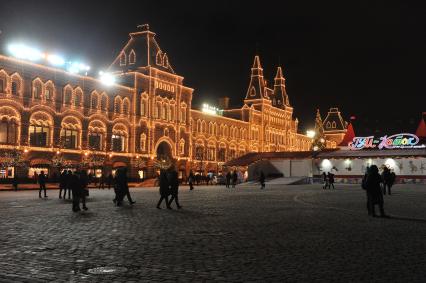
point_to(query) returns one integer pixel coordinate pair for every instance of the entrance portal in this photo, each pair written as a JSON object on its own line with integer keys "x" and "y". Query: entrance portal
{"x": 164, "y": 152}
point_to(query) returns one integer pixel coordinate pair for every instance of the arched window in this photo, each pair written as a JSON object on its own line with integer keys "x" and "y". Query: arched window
{"x": 144, "y": 104}
{"x": 8, "y": 132}
{"x": 70, "y": 132}
{"x": 78, "y": 97}
{"x": 143, "y": 142}
{"x": 119, "y": 138}
{"x": 49, "y": 91}
{"x": 122, "y": 59}
{"x": 328, "y": 125}
{"x": 163, "y": 111}
{"x": 2, "y": 85}
{"x": 126, "y": 106}
{"x": 40, "y": 129}
{"x": 182, "y": 146}
{"x": 132, "y": 57}
{"x": 333, "y": 124}
{"x": 16, "y": 87}
{"x": 203, "y": 126}
{"x": 94, "y": 101}
{"x": 165, "y": 61}
{"x": 104, "y": 102}
{"x": 183, "y": 113}
{"x": 37, "y": 89}
{"x": 117, "y": 105}
{"x": 67, "y": 95}
{"x": 252, "y": 92}
{"x": 97, "y": 134}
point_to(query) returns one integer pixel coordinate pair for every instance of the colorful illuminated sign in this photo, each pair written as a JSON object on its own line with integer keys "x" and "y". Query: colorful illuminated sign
{"x": 392, "y": 142}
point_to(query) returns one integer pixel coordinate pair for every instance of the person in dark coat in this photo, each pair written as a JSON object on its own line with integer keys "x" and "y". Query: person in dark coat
{"x": 15, "y": 183}
{"x": 325, "y": 180}
{"x": 123, "y": 186}
{"x": 42, "y": 182}
{"x": 102, "y": 181}
{"x": 67, "y": 185}
{"x": 191, "y": 180}
{"x": 262, "y": 180}
{"x": 84, "y": 191}
{"x": 75, "y": 186}
{"x": 234, "y": 178}
{"x": 117, "y": 188}
{"x": 388, "y": 180}
{"x": 174, "y": 187}
{"x": 164, "y": 189}
{"x": 330, "y": 177}
{"x": 374, "y": 191}
{"x": 228, "y": 179}
{"x": 63, "y": 183}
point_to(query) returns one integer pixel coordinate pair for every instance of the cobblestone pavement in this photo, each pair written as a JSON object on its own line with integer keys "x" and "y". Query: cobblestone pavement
{"x": 284, "y": 233}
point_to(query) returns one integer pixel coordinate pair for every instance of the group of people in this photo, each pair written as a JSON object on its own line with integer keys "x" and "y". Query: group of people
{"x": 76, "y": 183}
{"x": 328, "y": 180}
{"x": 169, "y": 185}
{"x": 231, "y": 179}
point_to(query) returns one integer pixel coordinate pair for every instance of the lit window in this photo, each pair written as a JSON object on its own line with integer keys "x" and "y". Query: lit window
{"x": 95, "y": 141}
{"x": 39, "y": 135}
{"x": 8, "y": 132}
{"x": 69, "y": 138}
{"x": 118, "y": 143}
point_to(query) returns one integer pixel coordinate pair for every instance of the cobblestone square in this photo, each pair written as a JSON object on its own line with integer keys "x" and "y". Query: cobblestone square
{"x": 284, "y": 233}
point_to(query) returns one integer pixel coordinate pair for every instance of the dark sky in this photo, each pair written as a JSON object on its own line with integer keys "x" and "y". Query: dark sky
{"x": 367, "y": 58}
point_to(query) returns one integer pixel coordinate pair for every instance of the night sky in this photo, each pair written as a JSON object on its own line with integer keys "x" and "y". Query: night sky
{"x": 366, "y": 58}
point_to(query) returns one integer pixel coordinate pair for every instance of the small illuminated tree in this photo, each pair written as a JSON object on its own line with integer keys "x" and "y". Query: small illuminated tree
{"x": 13, "y": 159}
{"x": 318, "y": 141}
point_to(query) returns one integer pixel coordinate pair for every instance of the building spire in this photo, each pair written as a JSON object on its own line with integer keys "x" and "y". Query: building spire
{"x": 256, "y": 88}
{"x": 280, "y": 94}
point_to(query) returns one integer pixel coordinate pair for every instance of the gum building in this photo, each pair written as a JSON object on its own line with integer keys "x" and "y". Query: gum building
{"x": 55, "y": 119}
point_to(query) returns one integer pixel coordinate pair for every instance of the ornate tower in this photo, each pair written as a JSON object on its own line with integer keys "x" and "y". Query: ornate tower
{"x": 280, "y": 98}
{"x": 256, "y": 88}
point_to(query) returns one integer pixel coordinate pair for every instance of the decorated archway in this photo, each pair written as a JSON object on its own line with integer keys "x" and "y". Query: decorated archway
{"x": 164, "y": 151}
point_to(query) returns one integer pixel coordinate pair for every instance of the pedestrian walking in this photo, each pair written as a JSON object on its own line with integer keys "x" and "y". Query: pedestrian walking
{"x": 262, "y": 180}
{"x": 325, "y": 181}
{"x": 63, "y": 183}
{"x": 42, "y": 183}
{"x": 123, "y": 186}
{"x": 102, "y": 181}
{"x": 388, "y": 180}
{"x": 228, "y": 179}
{"x": 164, "y": 190}
{"x": 191, "y": 180}
{"x": 234, "y": 178}
{"x": 174, "y": 187}
{"x": 330, "y": 177}
{"x": 84, "y": 191}
{"x": 372, "y": 184}
{"x": 15, "y": 183}
{"x": 67, "y": 184}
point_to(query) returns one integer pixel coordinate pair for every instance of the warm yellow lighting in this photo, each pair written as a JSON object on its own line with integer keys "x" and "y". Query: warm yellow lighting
{"x": 310, "y": 134}
{"x": 57, "y": 152}
{"x": 25, "y": 150}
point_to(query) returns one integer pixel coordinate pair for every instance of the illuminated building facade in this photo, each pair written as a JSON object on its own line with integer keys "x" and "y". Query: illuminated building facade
{"x": 51, "y": 115}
